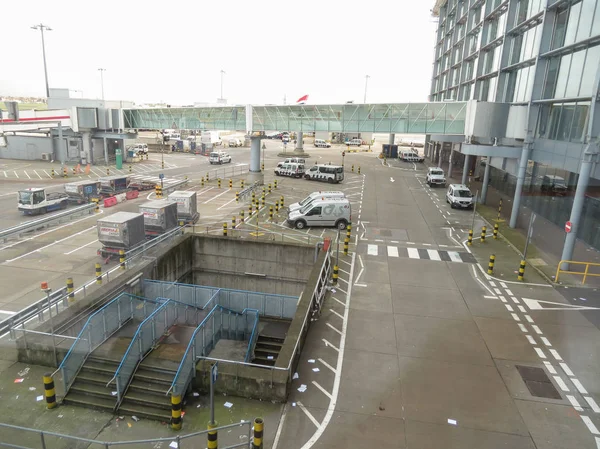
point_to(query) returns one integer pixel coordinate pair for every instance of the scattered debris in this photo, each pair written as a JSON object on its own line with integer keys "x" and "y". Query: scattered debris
{"x": 452, "y": 421}
{"x": 135, "y": 418}
{"x": 311, "y": 360}
{"x": 583, "y": 299}
{"x": 40, "y": 398}
{"x": 195, "y": 394}
{"x": 228, "y": 404}
{"x": 269, "y": 357}
{"x": 114, "y": 393}
{"x": 60, "y": 416}
{"x": 174, "y": 444}
{"x": 333, "y": 290}
{"x": 381, "y": 407}
{"x": 31, "y": 388}
{"x": 293, "y": 404}
{"x": 24, "y": 372}
{"x": 243, "y": 437}
{"x": 302, "y": 388}
{"x": 295, "y": 376}
{"x": 18, "y": 381}
{"x": 129, "y": 425}
{"x": 198, "y": 406}
{"x": 316, "y": 370}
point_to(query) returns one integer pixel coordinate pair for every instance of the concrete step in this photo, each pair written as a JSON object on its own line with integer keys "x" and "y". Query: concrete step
{"x": 89, "y": 401}
{"x": 270, "y": 339}
{"x": 269, "y": 345}
{"x": 265, "y": 352}
{"x": 101, "y": 366}
{"x": 155, "y": 376}
{"x": 149, "y": 387}
{"x": 162, "y": 402}
{"x": 98, "y": 359}
{"x": 92, "y": 389}
{"x": 90, "y": 376}
{"x": 142, "y": 411}
{"x": 263, "y": 360}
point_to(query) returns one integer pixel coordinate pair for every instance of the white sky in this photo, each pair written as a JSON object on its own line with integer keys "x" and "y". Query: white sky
{"x": 174, "y": 52}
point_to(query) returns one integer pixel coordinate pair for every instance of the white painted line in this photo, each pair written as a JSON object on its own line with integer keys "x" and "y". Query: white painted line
{"x": 413, "y": 253}
{"x": 597, "y": 443}
{"x": 360, "y": 285}
{"x": 379, "y": 240}
{"x": 331, "y": 368}
{"x": 492, "y": 283}
{"x": 509, "y": 307}
{"x": 479, "y": 280}
{"x": 522, "y": 309}
{"x": 16, "y": 174}
{"x": 546, "y": 341}
{"x": 323, "y": 390}
{"x": 561, "y": 383}
{"x": 330, "y": 345}
{"x": 7, "y": 312}
{"x": 592, "y": 403}
{"x": 590, "y": 425}
{"x": 514, "y": 299}
{"x": 503, "y": 285}
{"x": 490, "y": 297}
{"x": 392, "y": 251}
{"x": 575, "y": 403}
{"x": 540, "y": 353}
{"x": 215, "y": 197}
{"x": 83, "y": 246}
{"x": 537, "y": 329}
{"x": 35, "y": 171}
{"x": 497, "y": 290}
{"x": 555, "y": 354}
{"x": 338, "y": 301}
{"x": 528, "y": 318}
{"x": 522, "y": 327}
{"x": 578, "y": 385}
{"x": 550, "y": 367}
{"x": 433, "y": 254}
{"x": 531, "y": 340}
{"x": 502, "y": 298}
{"x": 515, "y": 317}
{"x": 509, "y": 292}
{"x": 372, "y": 250}
{"x": 27, "y": 174}
{"x": 334, "y": 328}
{"x": 309, "y": 414}
{"x": 337, "y": 314}
{"x": 566, "y": 369}
{"x": 343, "y": 271}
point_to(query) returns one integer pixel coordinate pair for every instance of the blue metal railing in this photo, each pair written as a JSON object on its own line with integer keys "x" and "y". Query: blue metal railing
{"x": 253, "y": 338}
{"x": 97, "y": 329}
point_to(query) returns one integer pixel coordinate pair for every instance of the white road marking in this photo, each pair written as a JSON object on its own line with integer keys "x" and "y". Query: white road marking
{"x": 35, "y": 171}
{"x": 16, "y": 174}
{"x": 515, "y": 317}
{"x": 498, "y": 291}
{"x": 579, "y": 387}
{"x": 546, "y": 341}
{"x": 502, "y": 298}
{"x": 503, "y": 285}
{"x": 575, "y": 403}
{"x": 590, "y": 425}
{"x": 280, "y": 426}
{"x": 323, "y": 390}
{"x": 540, "y": 353}
{"x": 522, "y": 327}
{"x": 514, "y": 299}
{"x": 334, "y": 328}
{"x": 337, "y": 314}
{"x": 372, "y": 250}
{"x": 215, "y": 197}
{"x": 550, "y": 367}
{"x": 561, "y": 383}
{"x": 592, "y": 403}
{"x": 530, "y": 339}
{"x": 83, "y": 246}
{"x": 7, "y": 312}
{"x": 490, "y": 297}
{"x": 392, "y": 251}
{"x": 330, "y": 345}
{"x": 25, "y": 171}
{"x": 555, "y": 354}
{"x": 492, "y": 283}
{"x": 537, "y": 329}
{"x": 522, "y": 309}
{"x": 433, "y": 254}
{"x": 309, "y": 414}
{"x": 509, "y": 307}
{"x": 413, "y": 253}
{"x": 528, "y": 318}
{"x": 331, "y": 368}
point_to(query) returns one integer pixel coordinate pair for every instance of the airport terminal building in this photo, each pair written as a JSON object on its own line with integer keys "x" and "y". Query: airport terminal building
{"x": 533, "y": 67}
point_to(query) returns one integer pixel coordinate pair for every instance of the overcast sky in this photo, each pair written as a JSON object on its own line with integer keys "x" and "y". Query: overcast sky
{"x": 174, "y": 52}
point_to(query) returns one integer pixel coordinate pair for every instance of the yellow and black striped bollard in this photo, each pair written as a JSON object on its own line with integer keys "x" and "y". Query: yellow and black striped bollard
{"x": 233, "y": 222}
{"x": 212, "y": 436}
{"x": 176, "y": 419}
{"x": 348, "y": 230}
{"x": 97, "y": 208}
{"x": 52, "y": 173}
{"x": 482, "y": 237}
{"x": 237, "y": 197}
{"x": 65, "y": 174}
{"x": 499, "y": 209}
{"x": 249, "y": 210}
{"x": 122, "y": 258}
{"x": 346, "y": 241}
{"x": 281, "y": 200}
{"x": 521, "y": 275}
{"x": 352, "y": 168}
{"x": 271, "y": 212}
{"x": 263, "y": 201}
{"x": 335, "y": 274}
{"x": 219, "y": 183}
{"x": 158, "y": 191}
{"x": 264, "y": 191}
{"x": 202, "y": 181}
{"x": 496, "y": 231}
{"x": 257, "y": 441}
{"x": 242, "y": 183}
{"x": 231, "y": 183}
{"x": 470, "y": 239}
{"x": 130, "y": 168}
{"x": 275, "y": 184}
{"x": 277, "y": 206}
{"x": 224, "y": 229}
{"x": 491, "y": 264}
{"x": 359, "y": 169}
{"x": 49, "y": 391}
{"x": 269, "y": 188}
{"x": 107, "y": 171}
{"x": 242, "y": 216}
{"x": 70, "y": 289}
{"x": 98, "y": 274}
{"x": 253, "y": 197}
{"x": 262, "y": 166}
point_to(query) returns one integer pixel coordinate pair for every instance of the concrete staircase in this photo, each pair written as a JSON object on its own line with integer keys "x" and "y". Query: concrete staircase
{"x": 267, "y": 349}
{"x": 147, "y": 396}
{"x": 89, "y": 388}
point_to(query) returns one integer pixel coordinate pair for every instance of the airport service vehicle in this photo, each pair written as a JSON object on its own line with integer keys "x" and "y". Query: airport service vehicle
{"x": 435, "y": 177}
{"x": 210, "y": 138}
{"x": 160, "y": 216}
{"x": 326, "y": 173}
{"x": 35, "y": 201}
{"x": 322, "y": 212}
{"x": 187, "y": 206}
{"x": 234, "y": 143}
{"x": 219, "y": 157}
{"x": 313, "y": 196}
{"x": 293, "y": 170}
{"x": 82, "y": 192}
{"x": 354, "y": 142}
{"x": 120, "y": 231}
{"x": 320, "y": 143}
{"x": 459, "y": 196}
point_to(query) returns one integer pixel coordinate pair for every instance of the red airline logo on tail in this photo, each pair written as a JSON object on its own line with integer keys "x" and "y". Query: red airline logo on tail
{"x": 302, "y": 100}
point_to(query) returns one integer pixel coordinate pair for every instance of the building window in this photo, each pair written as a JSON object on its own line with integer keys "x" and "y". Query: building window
{"x": 572, "y": 75}
{"x": 572, "y": 24}
{"x": 566, "y": 122}
{"x": 521, "y": 14}
{"x": 560, "y": 26}
{"x": 551, "y": 74}
{"x": 592, "y": 61}
{"x": 585, "y": 20}
{"x": 563, "y": 76}
{"x": 520, "y": 85}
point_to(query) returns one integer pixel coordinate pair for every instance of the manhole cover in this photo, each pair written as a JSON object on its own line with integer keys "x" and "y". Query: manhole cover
{"x": 537, "y": 382}
{"x": 537, "y": 262}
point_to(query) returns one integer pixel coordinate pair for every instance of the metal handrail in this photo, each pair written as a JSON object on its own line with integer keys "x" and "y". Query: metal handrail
{"x": 35, "y": 224}
{"x": 585, "y": 273}
{"x": 253, "y": 338}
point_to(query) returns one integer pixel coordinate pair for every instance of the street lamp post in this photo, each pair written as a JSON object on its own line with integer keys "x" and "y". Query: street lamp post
{"x": 222, "y": 73}
{"x": 102, "y": 80}
{"x": 366, "y": 83}
{"x": 43, "y": 27}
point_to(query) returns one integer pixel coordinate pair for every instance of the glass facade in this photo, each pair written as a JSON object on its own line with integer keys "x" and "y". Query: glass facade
{"x": 546, "y": 52}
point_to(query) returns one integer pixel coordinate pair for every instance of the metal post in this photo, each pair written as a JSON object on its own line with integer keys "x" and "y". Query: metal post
{"x": 529, "y": 234}
{"x": 366, "y": 84}
{"x": 514, "y": 214}
{"x": 102, "y": 80}
{"x": 465, "y": 169}
{"x": 474, "y": 209}
{"x": 486, "y": 180}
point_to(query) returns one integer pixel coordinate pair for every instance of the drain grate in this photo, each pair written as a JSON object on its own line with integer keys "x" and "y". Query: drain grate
{"x": 537, "y": 382}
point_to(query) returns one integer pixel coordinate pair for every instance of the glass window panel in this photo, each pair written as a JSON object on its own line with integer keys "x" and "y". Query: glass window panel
{"x": 563, "y": 75}
{"x": 579, "y": 124}
{"x": 551, "y": 74}
{"x": 596, "y": 23}
{"x": 510, "y": 86}
{"x": 542, "y": 124}
{"x": 492, "y": 90}
{"x": 515, "y": 50}
{"x": 566, "y": 118}
{"x": 577, "y": 61}
{"x": 572, "y": 24}
{"x": 553, "y": 122}
{"x": 521, "y": 14}
{"x": 589, "y": 71}
{"x": 585, "y": 20}
{"x": 519, "y": 86}
{"x": 560, "y": 27}
{"x": 530, "y": 75}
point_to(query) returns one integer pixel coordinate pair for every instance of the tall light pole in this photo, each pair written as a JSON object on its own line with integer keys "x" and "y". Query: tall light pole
{"x": 222, "y": 73}
{"x": 102, "y": 80}
{"x": 43, "y": 27}
{"x": 366, "y": 83}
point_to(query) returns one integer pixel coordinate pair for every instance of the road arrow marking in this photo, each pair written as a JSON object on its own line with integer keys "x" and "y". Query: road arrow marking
{"x": 537, "y": 304}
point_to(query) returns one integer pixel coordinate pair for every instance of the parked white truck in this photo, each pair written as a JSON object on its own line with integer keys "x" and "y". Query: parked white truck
{"x": 211, "y": 138}
{"x": 35, "y": 201}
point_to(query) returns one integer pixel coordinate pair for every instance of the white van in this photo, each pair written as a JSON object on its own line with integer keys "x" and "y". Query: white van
{"x": 316, "y": 195}
{"x": 294, "y": 160}
{"x": 320, "y": 143}
{"x": 409, "y": 156}
{"x": 219, "y": 157}
{"x": 234, "y": 143}
{"x": 435, "y": 177}
{"x": 326, "y": 173}
{"x": 328, "y": 212}
{"x": 354, "y": 142}
{"x": 293, "y": 170}
{"x": 459, "y": 195}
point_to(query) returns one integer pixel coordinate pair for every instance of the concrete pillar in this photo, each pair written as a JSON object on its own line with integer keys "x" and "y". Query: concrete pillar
{"x": 438, "y": 153}
{"x": 255, "y": 174}
{"x": 86, "y": 139}
{"x": 514, "y": 214}
{"x": 466, "y": 169}
{"x": 299, "y": 143}
{"x": 105, "y": 151}
{"x": 450, "y": 164}
{"x": 392, "y": 139}
{"x": 62, "y": 150}
{"x": 440, "y": 157}
{"x": 486, "y": 180}
{"x": 584, "y": 178}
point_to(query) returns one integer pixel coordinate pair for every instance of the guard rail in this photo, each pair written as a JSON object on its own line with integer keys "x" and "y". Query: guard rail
{"x": 33, "y": 225}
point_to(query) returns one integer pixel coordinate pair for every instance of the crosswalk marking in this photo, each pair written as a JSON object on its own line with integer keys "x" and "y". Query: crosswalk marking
{"x": 413, "y": 253}
{"x": 454, "y": 256}
{"x": 392, "y": 251}
{"x": 372, "y": 250}
{"x": 433, "y": 254}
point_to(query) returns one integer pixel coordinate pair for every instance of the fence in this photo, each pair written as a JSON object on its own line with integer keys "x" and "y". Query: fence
{"x": 218, "y": 322}
{"x": 267, "y": 304}
{"x": 256, "y": 231}
{"x": 227, "y": 171}
{"x": 98, "y": 328}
